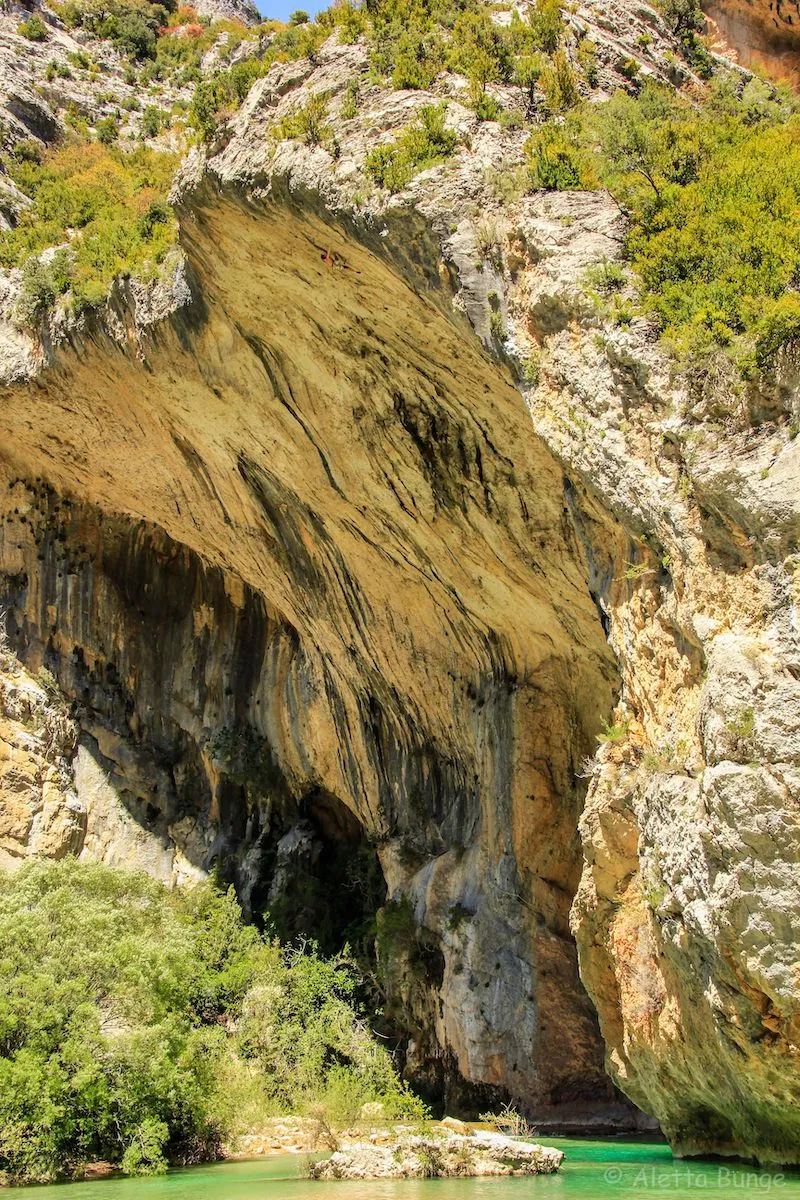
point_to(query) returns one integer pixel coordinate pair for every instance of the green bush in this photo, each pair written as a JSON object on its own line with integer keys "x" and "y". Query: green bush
{"x": 102, "y": 202}
{"x": 557, "y": 161}
{"x": 154, "y": 120}
{"x": 307, "y": 123}
{"x": 219, "y": 96}
{"x": 34, "y": 29}
{"x": 140, "y": 1026}
{"x": 57, "y": 70}
{"x": 560, "y": 84}
{"x": 685, "y": 19}
{"x": 712, "y": 199}
{"x": 132, "y": 25}
{"x": 107, "y": 130}
{"x": 547, "y": 25}
{"x": 422, "y": 144}
{"x": 480, "y": 51}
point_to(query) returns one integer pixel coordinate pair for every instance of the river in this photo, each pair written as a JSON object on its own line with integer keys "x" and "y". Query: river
{"x": 592, "y": 1171}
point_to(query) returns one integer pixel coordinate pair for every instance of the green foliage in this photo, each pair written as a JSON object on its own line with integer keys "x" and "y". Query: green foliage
{"x": 351, "y": 21}
{"x": 605, "y": 277}
{"x": 547, "y": 25}
{"x": 613, "y": 733}
{"x": 396, "y": 930}
{"x": 307, "y": 122}
{"x": 217, "y": 98}
{"x": 685, "y": 19}
{"x": 422, "y": 144}
{"x": 298, "y": 1025}
{"x": 480, "y": 51}
{"x": 557, "y": 160}
{"x": 587, "y": 60}
{"x": 154, "y": 121}
{"x": 113, "y": 202}
{"x": 57, "y": 70}
{"x": 79, "y": 58}
{"x": 299, "y": 17}
{"x": 350, "y": 100}
{"x": 457, "y": 916}
{"x": 409, "y": 38}
{"x": 743, "y": 724}
{"x": 560, "y": 84}
{"x": 132, "y": 25}
{"x": 713, "y": 196}
{"x": 34, "y": 29}
{"x": 107, "y": 130}
{"x": 138, "y": 1024}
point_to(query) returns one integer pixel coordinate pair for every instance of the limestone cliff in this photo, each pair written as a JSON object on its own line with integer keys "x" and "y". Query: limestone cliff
{"x": 332, "y": 541}
{"x": 763, "y": 34}
{"x": 325, "y": 570}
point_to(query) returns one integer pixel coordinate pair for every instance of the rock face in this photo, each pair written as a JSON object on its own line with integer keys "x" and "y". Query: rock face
{"x": 321, "y": 585}
{"x": 40, "y": 812}
{"x": 319, "y": 571}
{"x": 765, "y": 33}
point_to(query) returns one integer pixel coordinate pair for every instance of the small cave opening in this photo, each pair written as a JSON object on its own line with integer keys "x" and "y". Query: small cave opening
{"x": 320, "y": 879}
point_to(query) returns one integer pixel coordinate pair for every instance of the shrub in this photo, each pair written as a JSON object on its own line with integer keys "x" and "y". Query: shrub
{"x": 605, "y": 277}
{"x": 57, "y": 70}
{"x": 299, "y": 17}
{"x": 307, "y": 123}
{"x": 101, "y": 195}
{"x": 34, "y": 29}
{"x": 712, "y": 200}
{"x": 560, "y": 84}
{"x": 154, "y": 120}
{"x": 587, "y": 60}
{"x": 685, "y": 19}
{"x": 557, "y": 162}
{"x": 422, "y": 144}
{"x": 107, "y": 130}
{"x": 479, "y": 50}
{"x": 149, "y": 1023}
{"x": 219, "y": 96}
{"x": 614, "y": 733}
{"x": 38, "y": 291}
{"x": 350, "y": 100}
{"x": 351, "y": 21}
{"x": 547, "y": 25}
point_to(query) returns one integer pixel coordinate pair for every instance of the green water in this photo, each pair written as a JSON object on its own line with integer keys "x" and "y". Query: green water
{"x": 591, "y": 1171}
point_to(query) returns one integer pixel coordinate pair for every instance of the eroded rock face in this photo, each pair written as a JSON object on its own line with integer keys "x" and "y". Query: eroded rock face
{"x": 307, "y": 560}
{"x": 303, "y": 558}
{"x": 764, "y": 33}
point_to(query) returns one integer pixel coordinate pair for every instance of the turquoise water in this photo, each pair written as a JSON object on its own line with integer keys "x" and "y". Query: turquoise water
{"x": 591, "y": 1171}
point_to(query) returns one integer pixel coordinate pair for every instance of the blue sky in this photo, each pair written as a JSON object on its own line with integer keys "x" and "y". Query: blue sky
{"x": 282, "y": 8}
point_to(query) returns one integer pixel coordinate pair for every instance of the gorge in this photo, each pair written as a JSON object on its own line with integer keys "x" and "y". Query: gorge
{"x": 363, "y": 558}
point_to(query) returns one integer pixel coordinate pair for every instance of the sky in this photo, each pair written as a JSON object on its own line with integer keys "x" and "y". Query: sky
{"x": 282, "y": 8}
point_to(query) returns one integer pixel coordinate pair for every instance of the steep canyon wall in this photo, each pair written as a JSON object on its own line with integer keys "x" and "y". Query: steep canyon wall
{"x": 355, "y": 544}
{"x": 304, "y": 558}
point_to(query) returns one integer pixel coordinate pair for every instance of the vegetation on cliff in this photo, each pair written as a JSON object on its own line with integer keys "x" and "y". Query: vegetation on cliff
{"x": 708, "y": 178}
{"x": 106, "y": 211}
{"x": 712, "y": 193}
{"x": 142, "y": 1026}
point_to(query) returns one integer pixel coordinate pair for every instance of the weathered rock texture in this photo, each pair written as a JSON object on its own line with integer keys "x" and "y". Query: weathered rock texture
{"x": 432, "y": 1157}
{"x": 289, "y": 567}
{"x": 762, "y": 33}
{"x": 312, "y": 573}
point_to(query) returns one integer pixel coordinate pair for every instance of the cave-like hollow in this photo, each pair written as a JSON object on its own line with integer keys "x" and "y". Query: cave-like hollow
{"x": 304, "y": 570}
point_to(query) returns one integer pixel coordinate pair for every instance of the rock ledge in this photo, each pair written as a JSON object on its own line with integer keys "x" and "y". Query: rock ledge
{"x": 430, "y": 1157}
